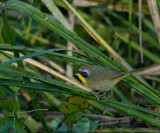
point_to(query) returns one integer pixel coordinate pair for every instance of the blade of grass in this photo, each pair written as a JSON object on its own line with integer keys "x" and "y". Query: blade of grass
{"x": 57, "y": 13}
{"x": 136, "y": 47}
{"x": 119, "y": 94}
{"x": 130, "y": 21}
{"x": 140, "y": 29}
{"x": 51, "y": 55}
{"x": 144, "y": 35}
{"x": 27, "y": 56}
{"x": 152, "y": 4}
{"x": 9, "y": 36}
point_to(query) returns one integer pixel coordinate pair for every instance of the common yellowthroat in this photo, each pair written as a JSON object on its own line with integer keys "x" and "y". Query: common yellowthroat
{"x": 101, "y": 78}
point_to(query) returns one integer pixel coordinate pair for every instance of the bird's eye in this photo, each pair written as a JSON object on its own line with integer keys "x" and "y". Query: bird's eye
{"x": 84, "y": 74}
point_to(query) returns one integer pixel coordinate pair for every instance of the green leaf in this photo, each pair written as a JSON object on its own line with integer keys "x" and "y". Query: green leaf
{"x": 31, "y": 124}
{"x": 6, "y": 127}
{"x": 67, "y": 108}
{"x": 74, "y": 105}
{"x": 94, "y": 125}
{"x": 72, "y": 118}
{"x": 10, "y": 105}
{"x": 82, "y": 103}
{"x": 55, "y": 123}
{"x": 27, "y": 84}
{"x": 84, "y": 123}
{"x": 3, "y": 93}
{"x": 5, "y": 120}
{"x": 19, "y": 126}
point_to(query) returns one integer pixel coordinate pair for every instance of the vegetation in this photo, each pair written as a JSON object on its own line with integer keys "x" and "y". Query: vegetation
{"x": 44, "y": 42}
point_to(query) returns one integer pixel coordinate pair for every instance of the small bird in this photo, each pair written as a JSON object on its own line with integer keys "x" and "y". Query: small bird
{"x": 99, "y": 78}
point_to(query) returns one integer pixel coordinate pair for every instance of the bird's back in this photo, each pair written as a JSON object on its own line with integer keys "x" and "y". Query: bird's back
{"x": 104, "y": 79}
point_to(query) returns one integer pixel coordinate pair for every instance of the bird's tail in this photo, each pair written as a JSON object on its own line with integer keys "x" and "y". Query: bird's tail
{"x": 125, "y": 74}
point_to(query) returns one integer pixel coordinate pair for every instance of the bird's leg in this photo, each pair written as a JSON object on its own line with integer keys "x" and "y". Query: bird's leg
{"x": 95, "y": 94}
{"x": 100, "y": 92}
{"x": 103, "y": 94}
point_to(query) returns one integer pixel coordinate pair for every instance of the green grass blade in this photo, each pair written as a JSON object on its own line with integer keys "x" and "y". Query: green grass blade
{"x": 145, "y": 35}
{"x": 7, "y": 126}
{"x": 57, "y": 13}
{"x": 27, "y": 56}
{"x": 9, "y": 36}
{"x": 136, "y": 47}
{"x": 52, "y": 55}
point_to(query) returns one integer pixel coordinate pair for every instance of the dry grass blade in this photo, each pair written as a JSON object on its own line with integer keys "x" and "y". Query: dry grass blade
{"x": 52, "y": 64}
{"x": 140, "y": 29}
{"x": 83, "y": 3}
{"x": 152, "y": 78}
{"x": 152, "y": 4}
{"x": 54, "y": 114}
{"x": 69, "y": 66}
{"x": 150, "y": 73}
{"x": 151, "y": 70}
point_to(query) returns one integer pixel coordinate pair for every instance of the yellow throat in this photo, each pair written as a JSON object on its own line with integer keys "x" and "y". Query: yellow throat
{"x": 82, "y": 79}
